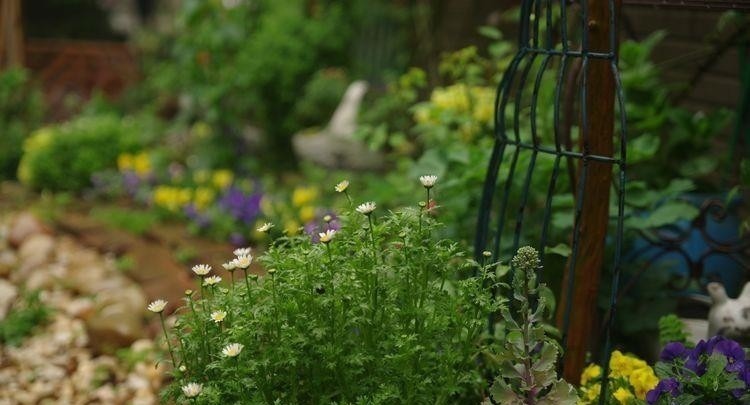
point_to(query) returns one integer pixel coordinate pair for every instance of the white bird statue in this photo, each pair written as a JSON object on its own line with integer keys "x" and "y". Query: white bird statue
{"x": 729, "y": 317}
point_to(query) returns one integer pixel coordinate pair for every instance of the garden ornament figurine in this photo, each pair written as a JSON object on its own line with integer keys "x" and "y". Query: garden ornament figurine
{"x": 335, "y": 146}
{"x": 729, "y": 317}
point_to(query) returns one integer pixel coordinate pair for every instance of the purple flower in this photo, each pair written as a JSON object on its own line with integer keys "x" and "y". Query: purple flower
{"x": 674, "y": 350}
{"x": 243, "y": 207}
{"x": 131, "y": 182}
{"x": 313, "y": 228}
{"x": 695, "y": 361}
{"x": 667, "y": 386}
{"x": 711, "y": 344}
{"x": 237, "y": 239}
{"x": 734, "y": 353}
{"x": 202, "y": 221}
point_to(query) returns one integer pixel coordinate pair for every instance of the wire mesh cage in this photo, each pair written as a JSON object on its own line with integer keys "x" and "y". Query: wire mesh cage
{"x": 559, "y": 154}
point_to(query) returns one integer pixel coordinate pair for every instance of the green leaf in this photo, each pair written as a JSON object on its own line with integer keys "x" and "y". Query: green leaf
{"x": 547, "y": 358}
{"x": 515, "y": 339}
{"x": 561, "y": 249}
{"x": 666, "y": 214}
{"x": 490, "y": 32}
{"x": 643, "y": 148}
{"x": 699, "y": 166}
{"x": 562, "y": 393}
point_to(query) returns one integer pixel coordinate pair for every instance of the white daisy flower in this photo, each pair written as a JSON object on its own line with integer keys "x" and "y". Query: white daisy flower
{"x": 209, "y": 281}
{"x": 229, "y": 266}
{"x": 182, "y": 368}
{"x": 428, "y": 181}
{"x": 242, "y": 262}
{"x": 201, "y": 269}
{"x": 218, "y": 316}
{"x": 192, "y": 390}
{"x": 366, "y": 208}
{"x": 342, "y": 186}
{"x": 265, "y": 227}
{"x": 157, "y": 306}
{"x": 327, "y": 236}
{"x": 232, "y": 350}
{"x": 242, "y": 252}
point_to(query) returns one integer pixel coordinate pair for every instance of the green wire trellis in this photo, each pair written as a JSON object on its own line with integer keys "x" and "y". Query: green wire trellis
{"x": 546, "y": 46}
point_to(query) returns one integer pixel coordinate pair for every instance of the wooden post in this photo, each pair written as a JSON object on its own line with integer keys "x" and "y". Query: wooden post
{"x": 11, "y": 34}
{"x": 600, "y": 95}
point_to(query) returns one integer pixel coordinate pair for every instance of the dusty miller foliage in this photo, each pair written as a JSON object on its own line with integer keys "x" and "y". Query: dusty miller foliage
{"x": 528, "y": 367}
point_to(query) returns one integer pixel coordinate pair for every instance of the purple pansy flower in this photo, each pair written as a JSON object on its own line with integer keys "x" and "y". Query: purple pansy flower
{"x": 202, "y": 221}
{"x": 674, "y": 350}
{"x": 734, "y": 353}
{"x": 243, "y": 207}
{"x": 667, "y": 386}
{"x": 131, "y": 182}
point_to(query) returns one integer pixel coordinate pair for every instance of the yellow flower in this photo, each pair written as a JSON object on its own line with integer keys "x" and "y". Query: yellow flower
{"x": 291, "y": 227}
{"x": 592, "y": 393}
{"x": 483, "y": 100}
{"x": 589, "y": 373}
{"x": 619, "y": 364}
{"x": 643, "y": 380}
{"x": 222, "y": 179}
{"x": 203, "y": 197}
{"x": 455, "y": 98}
{"x": 307, "y": 213}
{"x": 423, "y": 114}
{"x": 171, "y": 198}
{"x": 622, "y": 395}
{"x": 303, "y": 196}
{"x": 201, "y": 130}
{"x": 125, "y": 162}
{"x": 141, "y": 164}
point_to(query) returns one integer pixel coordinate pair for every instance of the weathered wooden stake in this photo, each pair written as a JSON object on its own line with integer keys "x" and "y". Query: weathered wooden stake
{"x": 600, "y": 95}
{"x": 11, "y": 34}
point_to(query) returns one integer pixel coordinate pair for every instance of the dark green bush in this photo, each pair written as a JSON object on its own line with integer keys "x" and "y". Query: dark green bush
{"x": 63, "y": 157}
{"x": 20, "y": 112}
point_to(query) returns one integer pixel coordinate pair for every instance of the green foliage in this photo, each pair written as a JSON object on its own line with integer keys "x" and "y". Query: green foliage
{"x": 63, "y": 157}
{"x": 320, "y": 98}
{"x": 247, "y": 63}
{"x": 135, "y": 222}
{"x": 667, "y": 141}
{"x": 529, "y": 360}
{"x": 20, "y": 113}
{"x": 23, "y": 317}
{"x": 378, "y": 315}
{"x": 672, "y": 329}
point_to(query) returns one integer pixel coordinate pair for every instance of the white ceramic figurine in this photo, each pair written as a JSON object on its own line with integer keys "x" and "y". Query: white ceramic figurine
{"x": 729, "y": 317}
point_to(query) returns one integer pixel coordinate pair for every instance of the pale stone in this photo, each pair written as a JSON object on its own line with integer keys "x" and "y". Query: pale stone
{"x": 8, "y": 262}
{"x": 117, "y": 320}
{"x": 35, "y": 251}
{"x": 8, "y": 295}
{"x": 23, "y": 226}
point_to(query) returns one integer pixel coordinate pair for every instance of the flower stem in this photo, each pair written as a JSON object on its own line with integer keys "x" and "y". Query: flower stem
{"x": 166, "y": 336}
{"x": 247, "y": 285}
